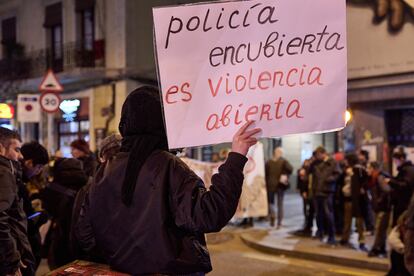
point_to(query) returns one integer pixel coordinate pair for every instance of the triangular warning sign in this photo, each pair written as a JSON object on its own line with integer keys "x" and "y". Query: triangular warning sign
{"x": 50, "y": 83}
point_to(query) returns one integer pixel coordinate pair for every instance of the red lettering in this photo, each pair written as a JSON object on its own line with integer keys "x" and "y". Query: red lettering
{"x": 317, "y": 79}
{"x": 288, "y": 77}
{"x": 253, "y": 110}
{"x": 215, "y": 125}
{"x": 263, "y": 77}
{"x": 172, "y": 90}
{"x": 278, "y": 103}
{"x": 237, "y": 121}
{"x": 296, "y": 111}
{"x": 265, "y": 110}
{"x": 225, "y": 120}
{"x": 185, "y": 92}
{"x": 212, "y": 90}
{"x": 237, "y": 83}
{"x": 250, "y": 80}
{"x": 228, "y": 91}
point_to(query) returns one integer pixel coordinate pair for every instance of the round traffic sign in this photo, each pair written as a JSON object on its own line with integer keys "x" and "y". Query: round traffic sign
{"x": 49, "y": 102}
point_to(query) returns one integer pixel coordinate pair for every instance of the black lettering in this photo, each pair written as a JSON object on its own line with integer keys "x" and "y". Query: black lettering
{"x": 291, "y": 44}
{"x": 231, "y": 20}
{"x": 170, "y": 31}
{"x": 212, "y": 54}
{"x": 269, "y": 16}
{"x": 196, "y": 25}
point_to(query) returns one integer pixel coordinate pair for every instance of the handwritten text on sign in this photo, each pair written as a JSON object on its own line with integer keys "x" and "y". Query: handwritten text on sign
{"x": 281, "y": 63}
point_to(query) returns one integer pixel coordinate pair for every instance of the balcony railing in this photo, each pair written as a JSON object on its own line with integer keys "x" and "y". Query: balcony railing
{"x": 34, "y": 64}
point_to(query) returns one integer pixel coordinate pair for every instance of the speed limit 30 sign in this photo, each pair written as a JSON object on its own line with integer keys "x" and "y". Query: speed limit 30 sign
{"x": 50, "y": 102}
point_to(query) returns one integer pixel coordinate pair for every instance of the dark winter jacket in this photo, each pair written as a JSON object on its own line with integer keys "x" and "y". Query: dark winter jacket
{"x": 274, "y": 169}
{"x": 324, "y": 177}
{"x": 58, "y": 199}
{"x": 14, "y": 243}
{"x": 381, "y": 196}
{"x": 162, "y": 232}
{"x": 402, "y": 189}
{"x": 409, "y": 238}
{"x": 359, "y": 190}
{"x": 89, "y": 164}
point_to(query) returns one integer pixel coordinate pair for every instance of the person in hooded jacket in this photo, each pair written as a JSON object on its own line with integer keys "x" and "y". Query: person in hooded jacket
{"x": 402, "y": 186}
{"x": 58, "y": 199}
{"x": 148, "y": 212}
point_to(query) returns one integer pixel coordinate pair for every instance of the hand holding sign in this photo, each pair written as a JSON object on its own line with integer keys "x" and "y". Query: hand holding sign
{"x": 244, "y": 138}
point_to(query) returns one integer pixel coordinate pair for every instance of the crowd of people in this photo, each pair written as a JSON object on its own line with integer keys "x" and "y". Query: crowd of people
{"x": 136, "y": 207}
{"x": 336, "y": 192}
{"x": 136, "y": 203}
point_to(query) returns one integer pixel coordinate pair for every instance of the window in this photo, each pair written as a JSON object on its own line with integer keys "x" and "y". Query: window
{"x": 85, "y": 14}
{"x": 53, "y": 24}
{"x": 8, "y": 40}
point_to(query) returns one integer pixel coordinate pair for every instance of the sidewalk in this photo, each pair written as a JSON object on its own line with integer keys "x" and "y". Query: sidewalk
{"x": 284, "y": 242}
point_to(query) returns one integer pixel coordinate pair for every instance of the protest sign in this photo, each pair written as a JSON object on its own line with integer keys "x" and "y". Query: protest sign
{"x": 253, "y": 200}
{"x": 281, "y": 63}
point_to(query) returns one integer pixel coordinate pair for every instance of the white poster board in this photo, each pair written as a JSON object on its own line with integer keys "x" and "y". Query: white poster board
{"x": 280, "y": 63}
{"x": 253, "y": 201}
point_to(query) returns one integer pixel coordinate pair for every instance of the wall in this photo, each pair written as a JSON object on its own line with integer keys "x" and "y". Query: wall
{"x": 372, "y": 50}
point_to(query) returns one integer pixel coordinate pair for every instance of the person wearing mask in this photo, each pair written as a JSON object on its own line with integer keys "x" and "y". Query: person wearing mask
{"x": 325, "y": 174}
{"x": 354, "y": 191}
{"x": 277, "y": 171}
{"x": 80, "y": 150}
{"x": 35, "y": 157}
{"x": 58, "y": 199}
{"x": 381, "y": 202}
{"x": 16, "y": 257}
{"x": 402, "y": 186}
{"x": 148, "y": 213}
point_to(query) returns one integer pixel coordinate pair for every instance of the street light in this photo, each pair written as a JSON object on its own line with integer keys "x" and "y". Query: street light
{"x": 348, "y": 116}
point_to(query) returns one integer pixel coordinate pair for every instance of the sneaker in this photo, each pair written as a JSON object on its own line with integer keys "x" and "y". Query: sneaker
{"x": 362, "y": 247}
{"x": 373, "y": 253}
{"x": 331, "y": 242}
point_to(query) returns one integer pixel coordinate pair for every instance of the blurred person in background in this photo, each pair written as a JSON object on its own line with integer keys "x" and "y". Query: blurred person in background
{"x": 397, "y": 245}
{"x": 381, "y": 202}
{"x": 80, "y": 150}
{"x": 354, "y": 191}
{"x": 277, "y": 171}
{"x": 35, "y": 157}
{"x": 409, "y": 238}
{"x": 108, "y": 149}
{"x": 402, "y": 185}
{"x": 58, "y": 199}
{"x": 303, "y": 187}
{"x": 325, "y": 174}
{"x": 368, "y": 213}
{"x": 16, "y": 257}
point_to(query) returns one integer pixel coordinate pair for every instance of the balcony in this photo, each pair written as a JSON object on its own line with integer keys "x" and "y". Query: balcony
{"x": 33, "y": 64}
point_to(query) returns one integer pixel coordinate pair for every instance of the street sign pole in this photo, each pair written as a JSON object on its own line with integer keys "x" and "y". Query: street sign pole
{"x": 50, "y": 142}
